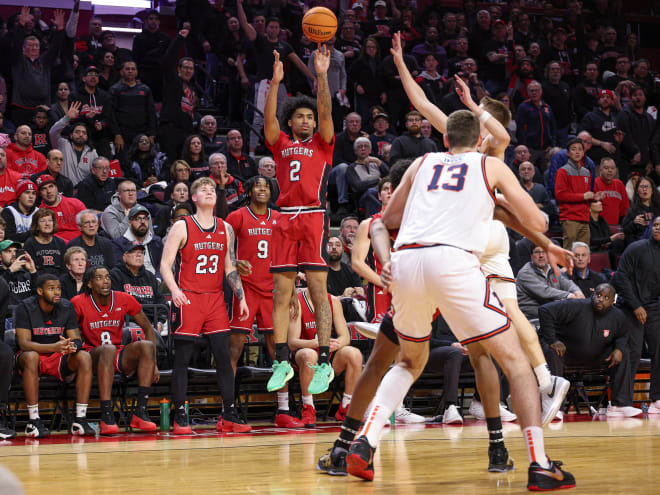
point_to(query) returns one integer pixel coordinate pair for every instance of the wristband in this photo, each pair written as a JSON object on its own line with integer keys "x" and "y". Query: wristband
{"x": 78, "y": 343}
{"x": 484, "y": 117}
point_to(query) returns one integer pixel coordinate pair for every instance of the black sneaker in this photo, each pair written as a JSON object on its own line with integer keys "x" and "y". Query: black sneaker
{"x": 36, "y": 429}
{"x": 360, "y": 459}
{"x": 231, "y": 422}
{"x": 333, "y": 462}
{"x": 499, "y": 460}
{"x": 5, "y": 431}
{"x": 553, "y": 478}
{"x": 81, "y": 426}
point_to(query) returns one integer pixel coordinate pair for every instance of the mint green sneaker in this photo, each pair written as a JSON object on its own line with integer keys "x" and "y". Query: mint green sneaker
{"x": 323, "y": 375}
{"x": 282, "y": 373}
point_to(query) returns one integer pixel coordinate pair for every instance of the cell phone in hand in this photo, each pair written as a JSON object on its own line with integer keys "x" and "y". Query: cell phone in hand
{"x": 20, "y": 252}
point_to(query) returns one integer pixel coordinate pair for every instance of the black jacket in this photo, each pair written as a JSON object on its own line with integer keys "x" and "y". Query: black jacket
{"x": 637, "y": 278}
{"x": 149, "y": 49}
{"x": 408, "y": 146}
{"x": 131, "y": 110}
{"x": 588, "y": 284}
{"x": 143, "y": 286}
{"x": 177, "y": 109}
{"x": 95, "y": 195}
{"x": 21, "y": 284}
{"x": 69, "y": 286}
{"x": 101, "y": 253}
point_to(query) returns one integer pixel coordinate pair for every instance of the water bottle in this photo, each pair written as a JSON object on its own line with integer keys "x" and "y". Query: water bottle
{"x": 164, "y": 415}
{"x": 187, "y": 412}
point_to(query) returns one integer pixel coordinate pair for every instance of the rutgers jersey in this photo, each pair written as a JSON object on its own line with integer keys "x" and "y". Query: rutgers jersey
{"x": 450, "y": 202}
{"x": 253, "y": 243}
{"x": 201, "y": 261}
{"x": 302, "y": 170}
{"x": 378, "y": 302}
{"x": 104, "y": 324}
{"x": 307, "y": 321}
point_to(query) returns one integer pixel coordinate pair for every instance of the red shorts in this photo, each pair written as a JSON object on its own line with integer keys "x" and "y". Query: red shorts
{"x": 205, "y": 315}
{"x": 300, "y": 241}
{"x": 261, "y": 308}
{"x": 53, "y": 364}
{"x": 118, "y": 355}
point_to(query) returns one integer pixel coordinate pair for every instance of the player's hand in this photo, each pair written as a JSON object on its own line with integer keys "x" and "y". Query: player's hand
{"x": 559, "y": 348}
{"x": 463, "y": 92}
{"x": 156, "y": 377}
{"x": 386, "y": 275}
{"x": 460, "y": 346}
{"x": 245, "y": 311}
{"x": 559, "y": 256}
{"x": 278, "y": 68}
{"x": 334, "y": 345}
{"x": 614, "y": 358}
{"x": 397, "y": 49}
{"x": 244, "y": 268}
{"x": 63, "y": 345}
{"x": 322, "y": 60}
{"x": 179, "y": 298}
{"x": 640, "y": 314}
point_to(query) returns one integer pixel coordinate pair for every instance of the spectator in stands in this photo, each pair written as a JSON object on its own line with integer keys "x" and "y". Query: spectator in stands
{"x": 455, "y": 63}
{"x": 397, "y": 102}
{"x": 109, "y": 44}
{"x": 369, "y": 87}
{"x": 75, "y": 260}
{"x": 18, "y": 215}
{"x": 138, "y": 232}
{"x": 96, "y": 190}
{"x": 642, "y": 77}
{"x": 193, "y": 154}
{"x": 180, "y": 194}
{"x": 535, "y": 124}
{"x": 645, "y": 206}
{"x": 108, "y": 71}
{"x": 238, "y": 165}
{"x": 94, "y": 111}
{"x": 48, "y": 337}
{"x": 229, "y": 189}
{"x": 131, "y": 277}
{"x": 365, "y": 172}
{"x": 149, "y": 49}
{"x": 573, "y": 193}
{"x": 88, "y": 44}
{"x": 621, "y": 72}
{"x": 21, "y": 156}
{"x": 557, "y": 94}
{"x": 347, "y": 232}
{"x": 614, "y": 197}
{"x": 585, "y": 93}
{"x": 591, "y": 333}
{"x": 303, "y": 344}
{"x": 431, "y": 46}
{"x": 601, "y": 238}
{"x": 39, "y": 126}
{"x": 637, "y": 123}
{"x": 31, "y": 70}
{"x": 380, "y": 137}
{"x": 54, "y": 165}
{"x": 537, "y": 284}
{"x": 98, "y": 248}
{"x": 526, "y": 173}
{"x": 60, "y": 106}
{"x": 336, "y": 81}
{"x": 411, "y": 143}
{"x": 434, "y": 84}
{"x": 342, "y": 156}
{"x": 480, "y": 34}
{"x": 65, "y": 208}
{"x": 560, "y": 158}
{"x": 179, "y": 172}
{"x": 115, "y": 217}
{"x": 132, "y": 109}
{"x": 144, "y": 162}
{"x": 348, "y": 44}
{"x": 497, "y": 50}
{"x": 8, "y": 181}
{"x": 46, "y": 250}
{"x": 211, "y": 140}
{"x": 18, "y": 270}
{"x": 76, "y": 149}
{"x": 583, "y": 277}
{"x": 636, "y": 281}
{"x": 342, "y": 280}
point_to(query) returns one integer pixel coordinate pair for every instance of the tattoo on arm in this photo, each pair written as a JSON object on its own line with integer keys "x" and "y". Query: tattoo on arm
{"x": 232, "y": 245}
{"x": 324, "y": 98}
{"x": 235, "y": 283}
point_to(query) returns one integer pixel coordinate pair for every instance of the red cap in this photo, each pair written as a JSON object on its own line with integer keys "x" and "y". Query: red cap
{"x": 42, "y": 180}
{"x": 25, "y": 185}
{"x": 607, "y": 92}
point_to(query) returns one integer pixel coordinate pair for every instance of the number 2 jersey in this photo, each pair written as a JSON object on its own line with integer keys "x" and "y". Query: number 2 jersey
{"x": 201, "y": 261}
{"x": 104, "y": 324}
{"x": 302, "y": 170}
{"x": 253, "y": 243}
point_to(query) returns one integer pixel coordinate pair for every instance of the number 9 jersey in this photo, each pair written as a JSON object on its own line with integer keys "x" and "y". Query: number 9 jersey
{"x": 201, "y": 260}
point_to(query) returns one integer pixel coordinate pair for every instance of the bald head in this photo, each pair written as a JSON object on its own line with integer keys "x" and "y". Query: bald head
{"x": 23, "y": 136}
{"x": 586, "y": 139}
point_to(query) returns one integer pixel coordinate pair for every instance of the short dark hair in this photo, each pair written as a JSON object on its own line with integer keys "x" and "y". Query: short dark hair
{"x": 293, "y": 104}
{"x": 38, "y": 215}
{"x": 128, "y": 60}
{"x": 382, "y": 182}
{"x": 273, "y": 19}
{"x": 185, "y": 59}
{"x": 89, "y": 274}
{"x": 463, "y": 129}
{"x": 573, "y": 141}
{"x": 398, "y": 169}
{"x": 252, "y": 181}
{"x": 45, "y": 277}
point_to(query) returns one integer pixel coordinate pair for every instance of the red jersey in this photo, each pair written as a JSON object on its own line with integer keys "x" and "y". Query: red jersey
{"x": 104, "y": 324}
{"x": 253, "y": 243}
{"x": 307, "y": 321}
{"x": 302, "y": 170}
{"x": 201, "y": 261}
{"x": 615, "y": 200}
{"x": 65, "y": 213}
{"x": 8, "y": 181}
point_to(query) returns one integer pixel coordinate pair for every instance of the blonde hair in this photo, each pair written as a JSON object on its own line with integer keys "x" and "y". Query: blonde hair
{"x": 202, "y": 181}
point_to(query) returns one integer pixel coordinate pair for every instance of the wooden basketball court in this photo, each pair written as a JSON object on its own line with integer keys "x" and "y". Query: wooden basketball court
{"x": 619, "y": 456}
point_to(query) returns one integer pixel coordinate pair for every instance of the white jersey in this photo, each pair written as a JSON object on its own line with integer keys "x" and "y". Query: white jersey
{"x": 450, "y": 203}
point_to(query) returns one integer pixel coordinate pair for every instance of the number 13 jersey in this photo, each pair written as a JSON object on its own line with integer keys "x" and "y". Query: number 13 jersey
{"x": 201, "y": 260}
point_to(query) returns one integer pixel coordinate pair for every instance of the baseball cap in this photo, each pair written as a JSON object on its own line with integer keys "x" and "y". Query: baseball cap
{"x": 499, "y": 21}
{"x": 137, "y": 208}
{"x": 25, "y": 185}
{"x": 382, "y": 116}
{"x": 91, "y": 68}
{"x": 357, "y": 5}
{"x": 606, "y": 92}
{"x": 130, "y": 246}
{"x": 6, "y": 244}
{"x": 42, "y": 180}
{"x": 380, "y": 3}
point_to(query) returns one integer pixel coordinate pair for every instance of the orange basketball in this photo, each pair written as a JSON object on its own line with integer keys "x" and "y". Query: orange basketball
{"x": 319, "y": 24}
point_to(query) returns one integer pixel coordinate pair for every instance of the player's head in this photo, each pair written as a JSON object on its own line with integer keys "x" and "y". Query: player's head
{"x": 398, "y": 169}
{"x": 385, "y": 190}
{"x": 202, "y": 192}
{"x": 97, "y": 281}
{"x": 49, "y": 289}
{"x": 463, "y": 130}
{"x": 497, "y": 109}
{"x": 299, "y": 117}
{"x": 259, "y": 189}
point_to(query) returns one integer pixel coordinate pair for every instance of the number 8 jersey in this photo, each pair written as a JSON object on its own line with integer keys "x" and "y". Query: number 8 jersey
{"x": 201, "y": 260}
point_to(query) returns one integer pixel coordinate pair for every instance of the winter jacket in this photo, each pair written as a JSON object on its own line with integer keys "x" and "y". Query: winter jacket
{"x": 18, "y": 223}
{"x": 570, "y": 185}
{"x": 94, "y": 194}
{"x": 536, "y": 287}
{"x": 536, "y": 127}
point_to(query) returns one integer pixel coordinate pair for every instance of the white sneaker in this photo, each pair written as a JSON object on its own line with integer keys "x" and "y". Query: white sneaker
{"x": 368, "y": 330}
{"x": 552, "y": 401}
{"x": 654, "y": 407}
{"x": 452, "y": 416}
{"x": 623, "y": 411}
{"x": 506, "y": 416}
{"x": 477, "y": 410}
{"x": 403, "y": 415}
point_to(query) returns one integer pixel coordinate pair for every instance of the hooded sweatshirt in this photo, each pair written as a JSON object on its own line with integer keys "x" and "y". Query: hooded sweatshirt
{"x": 25, "y": 162}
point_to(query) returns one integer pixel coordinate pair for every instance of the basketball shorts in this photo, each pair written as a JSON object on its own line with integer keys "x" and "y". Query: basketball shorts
{"x": 118, "y": 356}
{"x": 498, "y": 272}
{"x": 447, "y": 278}
{"x": 53, "y": 364}
{"x": 379, "y": 302}
{"x": 387, "y": 328}
{"x": 205, "y": 315}
{"x": 261, "y": 309}
{"x": 300, "y": 241}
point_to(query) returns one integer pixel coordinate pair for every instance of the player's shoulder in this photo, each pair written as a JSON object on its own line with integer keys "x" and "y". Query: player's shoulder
{"x": 236, "y": 216}
{"x": 122, "y": 298}
{"x": 79, "y": 300}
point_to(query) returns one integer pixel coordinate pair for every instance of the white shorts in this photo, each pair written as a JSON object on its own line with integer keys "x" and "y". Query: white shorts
{"x": 449, "y": 279}
{"x": 498, "y": 272}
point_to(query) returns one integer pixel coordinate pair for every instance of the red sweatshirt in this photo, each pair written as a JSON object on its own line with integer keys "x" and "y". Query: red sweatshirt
{"x": 25, "y": 162}
{"x": 615, "y": 201}
{"x": 570, "y": 185}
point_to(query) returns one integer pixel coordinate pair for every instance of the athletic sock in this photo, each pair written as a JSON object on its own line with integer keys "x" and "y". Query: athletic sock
{"x": 308, "y": 400}
{"x": 349, "y": 429}
{"x": 283, "y": 401}
{"x": 33, "y": 411}
{"x": 346, "y": 400}
{"x": 142, "y": 397}
{"x": 324, "y": 354}
{"x": 281, "y": 352}
{"x": 81, "y": 410}
{"x": 106, "y": 406}
{"x": 535, "y": 445}
{"x": 495, "y": 437}
{"x": 544, "y": 377}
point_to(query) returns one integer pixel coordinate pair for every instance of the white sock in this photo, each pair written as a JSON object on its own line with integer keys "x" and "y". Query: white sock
{"x": 346, "y": 400}
{"x": 81, "y": 410}
{"x": 308, "y": 400}
{"x": 283, "y": 401}
{"x": 533, "y": 436}
{"x": 391, "y": 392}
{"x": 542, "y": 372}
{"x": 33, "y": 411}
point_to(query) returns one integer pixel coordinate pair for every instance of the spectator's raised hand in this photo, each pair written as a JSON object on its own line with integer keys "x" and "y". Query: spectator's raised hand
{"x": 322, "y": 59}
{"x": 58, "y": 19}
{"x": 278, "y": 68}
{"x": 25, "y": 16}
{"x": 74, "y": 110}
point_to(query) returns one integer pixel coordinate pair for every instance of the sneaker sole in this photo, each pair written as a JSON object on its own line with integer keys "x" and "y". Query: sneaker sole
{"x": 7, "y": 436}
{"x": 331, "y": 377}
{"x": 560, "y": 395}
{"x": 235, "y": 428}
{"x": 499, "y": 468}
{"x": 182, "y": 431}
{"x": 331, "y": 472}
{"x": 273, "y": 388}
{"x": 538, "y": 488}
{"x": 357, "y": 466}
{"x": 152, "y": 428}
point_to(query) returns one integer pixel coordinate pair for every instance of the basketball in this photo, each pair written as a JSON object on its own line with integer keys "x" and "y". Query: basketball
{"x": 319, "y": 24}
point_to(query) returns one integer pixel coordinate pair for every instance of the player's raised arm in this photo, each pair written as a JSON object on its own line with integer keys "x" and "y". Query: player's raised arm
{"x": 175, "y": 239}
{"x": 394, "y": 212}
{"x": 233, "y": 278}
{"x": 415, "y": 93}
{"x": 271, "y": 124}
{"x": 323, "y": 96}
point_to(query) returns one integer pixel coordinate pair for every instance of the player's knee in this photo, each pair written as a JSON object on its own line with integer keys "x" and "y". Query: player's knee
{"x": 84, "y": 361}
{"x": 30, "y": 361}
{"x": 304, "y": 356}
{"x": 354, "y": 356}
{"x": 107, "y": 354}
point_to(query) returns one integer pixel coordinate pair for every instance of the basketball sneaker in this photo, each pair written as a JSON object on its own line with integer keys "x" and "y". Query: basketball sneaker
{"x": 554, "y": 478}
{"x": 5, "y": 431}
{"x": 231, "y": 422}
{"x": 286, "y": 420}
{"x": 81, "y": 426}
{"x": 36, "y": 429}
{"x": 452, "y": 416}
{"x": 654, "y": 407}
{"x": 552, "y": 401}
{"x": 282, "y": 373}
{"x": 180, "y": 424}
{"x": 340, "y": 415}
{"x": 141, "y": 421}
{"x": 333, "y": 462}
{"x": 323, "y": 375}
{"x": 108, "y": 425}
{"x": 403, "y": 415}
{"x": 308, "y": 416}
{"x": 499, "y": 460}
{"x": 622, "y": 411}
{"x": 360, "y": 459}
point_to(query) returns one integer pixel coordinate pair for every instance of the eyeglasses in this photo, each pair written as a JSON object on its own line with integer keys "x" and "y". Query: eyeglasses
{"x": 141, "y": 219}
{"x": 644, "y": 186}
{"x": 103, "y": 169}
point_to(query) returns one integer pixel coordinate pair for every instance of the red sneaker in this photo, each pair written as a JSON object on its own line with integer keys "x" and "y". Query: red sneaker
{"x": 108, "y": 425}
{"x": 230, "y": 422}
{"x": 340, "y": 415}
{"x": 141, "y": 421}
{"x": 309, "y": 416}
{"x": 178, "y": 429}
{"x": 283, "y": 420}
